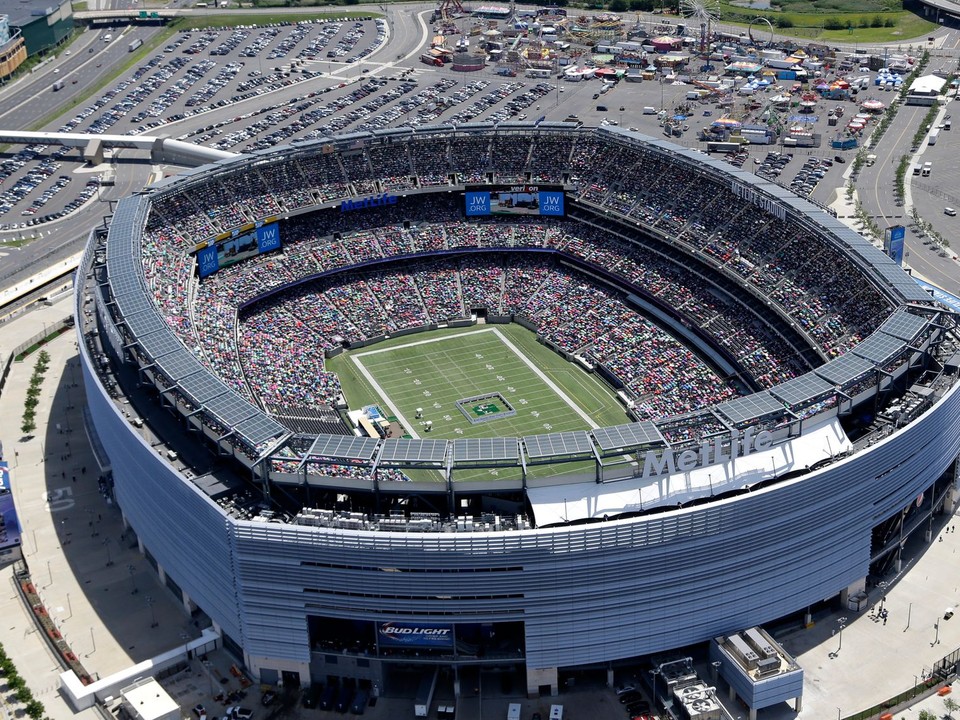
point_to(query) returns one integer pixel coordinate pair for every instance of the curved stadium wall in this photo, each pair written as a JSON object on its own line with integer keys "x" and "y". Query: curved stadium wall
{"x": 584, "y": 593}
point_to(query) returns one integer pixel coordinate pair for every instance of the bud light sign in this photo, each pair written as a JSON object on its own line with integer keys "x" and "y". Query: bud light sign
{"x": 409, "y": 635}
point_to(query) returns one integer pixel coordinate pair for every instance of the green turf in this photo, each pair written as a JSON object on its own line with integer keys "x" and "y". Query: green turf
{"x": 434, "y": 376}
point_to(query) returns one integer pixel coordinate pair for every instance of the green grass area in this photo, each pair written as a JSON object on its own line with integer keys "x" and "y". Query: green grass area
{"x": 462, "y": 363}
{"x": 18, "y": 242}
{"x": 465, "y": 362}
{"x": 871, "y": 21}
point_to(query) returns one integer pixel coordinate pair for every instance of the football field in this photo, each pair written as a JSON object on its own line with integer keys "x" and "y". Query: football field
{"x": 476, "y": 382}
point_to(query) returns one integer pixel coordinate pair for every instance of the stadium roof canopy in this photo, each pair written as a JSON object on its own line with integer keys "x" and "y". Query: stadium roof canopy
{"x": 750, "y": 409}
{"x": 629, "y": 436}
{"x": 485, "y": 450}
{"x": 401, "y": 452}
{"x": 845, "y": 369}
{"x": 342, "y": 447}
{"x": 880, "y": 348}
{"x": 553, "y": 446}
{"x": 905, "y": 326}
{"x": 803, "y": 390}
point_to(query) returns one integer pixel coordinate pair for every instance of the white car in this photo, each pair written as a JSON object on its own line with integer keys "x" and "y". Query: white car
{"x": 950, "y": 211}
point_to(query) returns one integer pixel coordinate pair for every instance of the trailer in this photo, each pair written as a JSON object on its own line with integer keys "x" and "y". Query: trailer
{"x": 723, "y": 147}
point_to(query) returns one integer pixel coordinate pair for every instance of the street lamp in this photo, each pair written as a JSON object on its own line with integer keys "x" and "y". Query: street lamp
{"x": 153, "y": 614}
{"x": 133, "y": 581}
{"x": 936, "y": 640}
{"x": 106, "y": 544}
{"x": 842, "y": 621}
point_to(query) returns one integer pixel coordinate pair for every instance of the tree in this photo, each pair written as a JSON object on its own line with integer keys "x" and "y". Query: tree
{"x": 35, "y": 709}
{"x": 951, "y": 705}
{"x": 926, "y": 715}
{"x": 24, "y": 695}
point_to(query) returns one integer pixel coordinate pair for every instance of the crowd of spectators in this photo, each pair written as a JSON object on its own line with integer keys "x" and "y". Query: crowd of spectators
{"x": 272, "y": 352}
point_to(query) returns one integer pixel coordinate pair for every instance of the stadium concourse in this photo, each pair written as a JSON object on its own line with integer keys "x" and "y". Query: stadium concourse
{"x": 786, "y": 383}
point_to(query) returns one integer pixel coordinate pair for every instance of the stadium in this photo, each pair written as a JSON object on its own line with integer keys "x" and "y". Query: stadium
{"x": 526, "y": 397}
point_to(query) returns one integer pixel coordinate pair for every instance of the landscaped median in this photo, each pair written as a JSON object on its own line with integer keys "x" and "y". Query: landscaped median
{"x": 47, "y": 625}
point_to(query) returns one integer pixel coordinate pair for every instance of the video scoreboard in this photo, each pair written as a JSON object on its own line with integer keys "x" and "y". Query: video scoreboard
{"x": 231, "y": 248}
{"x": 514, "y": 200}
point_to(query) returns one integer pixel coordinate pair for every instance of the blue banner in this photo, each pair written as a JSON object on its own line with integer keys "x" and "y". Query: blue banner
{"x": 893, "y": 239}
{"x": 9, "y": 522}
{"x": 207, "y": 261}
{"x": 410, "y": 635}
{"x": 478, "y": 203}
{"x": 551, "y": 203}
{"x": 268, "y": 237}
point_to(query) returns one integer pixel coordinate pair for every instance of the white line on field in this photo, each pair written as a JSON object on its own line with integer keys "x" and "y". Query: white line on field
{"x": 382, "y": 393}
{"x": 424, "y": 342}
{"x": 539, "y": 373}
{"x": 513, "y": 348}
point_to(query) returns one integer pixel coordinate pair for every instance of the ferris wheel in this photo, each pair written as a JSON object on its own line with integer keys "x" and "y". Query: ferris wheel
{"x": 704, "y": 12}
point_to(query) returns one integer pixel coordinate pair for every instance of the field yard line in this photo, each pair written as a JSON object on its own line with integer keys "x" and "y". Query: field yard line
{"x": 550, "y": 383}
{"x": 423, "y": 342}
{"x": 386, "y": 398}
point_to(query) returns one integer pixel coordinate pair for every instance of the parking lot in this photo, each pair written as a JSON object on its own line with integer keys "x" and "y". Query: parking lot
{"x": 253, "y": 87}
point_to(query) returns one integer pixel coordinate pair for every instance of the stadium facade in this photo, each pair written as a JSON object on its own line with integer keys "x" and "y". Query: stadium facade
{"x": 317, "y": 589}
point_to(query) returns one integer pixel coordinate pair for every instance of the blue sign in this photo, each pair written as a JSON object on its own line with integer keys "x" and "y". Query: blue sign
{"x": 940, "y": 295}
{"x": 9, "y": 522}
{"x": 207, "y": 261}
{"x": 551, "y": 202}
{"x": 268, "y": 237}
{"x": 893, "y": 239}
{"x": 425, "y": 635}
{"x": 478, "y": 203}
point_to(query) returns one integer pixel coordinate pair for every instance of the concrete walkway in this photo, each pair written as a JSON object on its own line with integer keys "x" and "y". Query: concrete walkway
{"x": 99, "y": 589}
